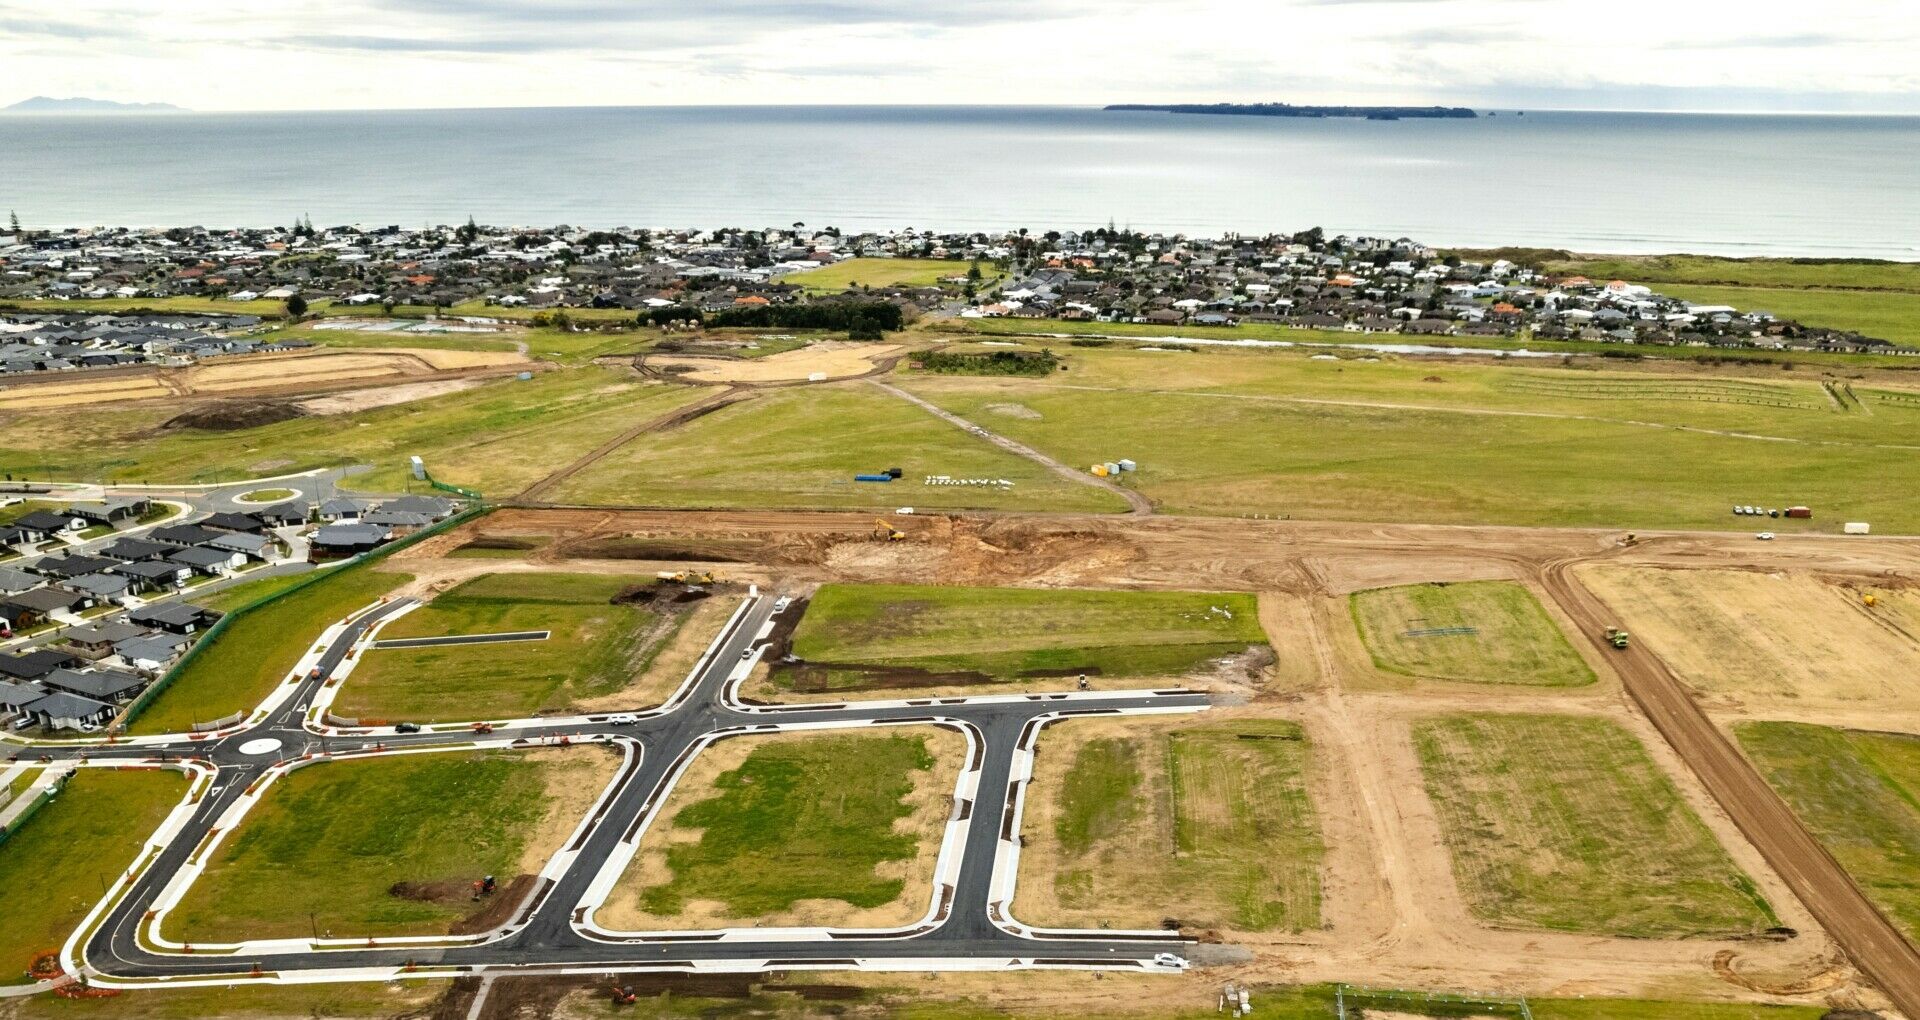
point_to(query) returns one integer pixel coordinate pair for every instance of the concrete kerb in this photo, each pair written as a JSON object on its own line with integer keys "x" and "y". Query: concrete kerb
{"x": 181, "y": 882}
{"x": 946, "y": 867}
{"x": 202, "y": 774}
{"x": 323, "y": 698}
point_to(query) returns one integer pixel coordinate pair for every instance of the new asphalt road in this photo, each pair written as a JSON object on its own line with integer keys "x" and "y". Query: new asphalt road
{"x": 968, "y": 927}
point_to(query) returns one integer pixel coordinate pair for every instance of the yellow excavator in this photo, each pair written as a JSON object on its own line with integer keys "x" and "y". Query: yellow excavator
{"x": 884, "y": 531}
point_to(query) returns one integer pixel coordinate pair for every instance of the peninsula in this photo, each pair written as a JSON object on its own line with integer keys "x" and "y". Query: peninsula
{"x": 1290, "y": 110}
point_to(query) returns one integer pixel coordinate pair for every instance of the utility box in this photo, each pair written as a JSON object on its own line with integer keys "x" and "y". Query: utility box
{"x": 1857, "y": 528}
{"x": 419, "y": 469}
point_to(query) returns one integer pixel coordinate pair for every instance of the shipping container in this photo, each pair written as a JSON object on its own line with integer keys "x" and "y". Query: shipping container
{"x": 1100, "y": 470}
{"x": 1857, "y": 528}
{"x": 873, "y": 478}
{"x": 1799, "y": 511}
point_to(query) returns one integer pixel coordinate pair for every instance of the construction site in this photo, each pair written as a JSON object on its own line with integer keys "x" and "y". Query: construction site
{"x": 1383, "y": 883}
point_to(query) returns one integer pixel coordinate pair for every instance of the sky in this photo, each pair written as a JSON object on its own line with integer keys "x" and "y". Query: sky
{"x": 1720, "y": 55}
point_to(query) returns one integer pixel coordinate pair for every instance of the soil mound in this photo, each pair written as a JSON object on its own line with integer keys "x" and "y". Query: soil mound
{"x": 234, "y": 415}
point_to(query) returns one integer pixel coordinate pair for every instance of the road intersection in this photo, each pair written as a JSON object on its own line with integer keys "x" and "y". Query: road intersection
{"x": 967, "y": 925}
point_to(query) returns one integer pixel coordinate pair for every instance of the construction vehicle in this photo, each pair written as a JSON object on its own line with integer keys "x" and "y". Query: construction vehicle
{"x": 884, "y": 531}
{"x": 624, "y": 996}
{"x": 1616, "y": 637}
{"x": 483, "y": 727}
{"x": 687, "y": 576}
{"x": 1869, "y": 600}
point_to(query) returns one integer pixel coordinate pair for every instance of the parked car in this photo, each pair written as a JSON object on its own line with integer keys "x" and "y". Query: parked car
{"x": 622, "y": 719}
{"x": 406, "y": 727}
{"x": 1765, "y": 536}
{"x": 780, "y": 604}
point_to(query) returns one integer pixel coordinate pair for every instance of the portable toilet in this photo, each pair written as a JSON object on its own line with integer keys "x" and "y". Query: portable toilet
{"x": 1127, "y": 465}
{"x": 1112, "y": 468}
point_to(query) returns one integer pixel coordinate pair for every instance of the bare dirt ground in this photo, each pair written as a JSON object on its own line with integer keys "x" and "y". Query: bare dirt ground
{"x": 1766, "y": 643}
{"x": 1392, "y": 912}
{"x": 384, "y": 396}
{"x": 574, "y": 779}
{"x": 931, "y": 802}
{"x": 314, "y": 371}
{"x": 836, "y": 359}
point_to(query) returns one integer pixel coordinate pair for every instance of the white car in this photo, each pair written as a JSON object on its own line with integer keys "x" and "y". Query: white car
{"x": 622, "y": 719}
{"x": 747, "y": 654}
{"x": 1169, "y": 960}
{"x": 1765, "y": 536}
{"x": 780, "y": 604}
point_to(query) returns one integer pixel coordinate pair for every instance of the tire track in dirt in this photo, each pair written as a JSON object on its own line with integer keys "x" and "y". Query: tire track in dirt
{"x": 678, "y": 416}
{"x": 1829, "y": 893}
{"x": 1139, "y": 505}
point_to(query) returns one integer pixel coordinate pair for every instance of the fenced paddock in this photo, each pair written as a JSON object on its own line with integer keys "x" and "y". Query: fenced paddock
{"x": 1353, "y": 1001}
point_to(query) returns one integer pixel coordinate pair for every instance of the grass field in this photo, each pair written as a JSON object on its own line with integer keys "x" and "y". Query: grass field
{"x": 1888, "y": 315}
{"x": 256, "y": 652}
{"x": 1758, "y": 272}
{"x": 883, "y": 272}
{"x": 812, "y": 818}
{"x": 767, "y": 452}
{"x": 234, "y": 596}
{"x": 1565, "y": 823}
{"x": 1514, "y": 641}
{"x": 1127, "y": 334}
{"x": 498, "y": 437}
{"x": 1405, "y": 440}
{"x": 1860, "y": 793}
{"x": 852, "y": 631}
{"x": 335, "y": 840}
{"x": 596, "y": 649}
{"x": 1209, "y": 825}
{"x": 67, "y": 854}
{"x": 242, "y": 1002}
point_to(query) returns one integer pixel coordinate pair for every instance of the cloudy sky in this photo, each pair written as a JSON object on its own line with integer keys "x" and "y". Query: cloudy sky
{"x": 1759, "y": 55}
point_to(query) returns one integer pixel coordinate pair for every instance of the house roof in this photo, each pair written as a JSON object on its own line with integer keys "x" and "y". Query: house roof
{"x": 169, "y": 612}
{"x": 14, "y": 694}
{"x": 63, "y": 706}
{"x": 46, "y": 600}
{"x": 35, "y": 664}
{"x": 349, "y": 534}
{"x": 109, "y": 632}
{"x": 158, "y": 647}
{"x": 201, "y": 556}
{"x": 94, "y": 683}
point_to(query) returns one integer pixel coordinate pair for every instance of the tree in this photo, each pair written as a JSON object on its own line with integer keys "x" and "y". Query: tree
{"x": 296, "y": 306}
{"x": 468, "y": 233}
{"x": 13, "y": 222}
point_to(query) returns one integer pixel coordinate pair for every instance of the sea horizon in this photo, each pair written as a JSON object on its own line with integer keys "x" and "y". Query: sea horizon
{"x": 1822, "y": 185}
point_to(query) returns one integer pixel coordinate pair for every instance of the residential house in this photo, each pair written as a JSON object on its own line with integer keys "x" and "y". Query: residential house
{"x": 63, "y": 711}
{"x": 176, "y": 617}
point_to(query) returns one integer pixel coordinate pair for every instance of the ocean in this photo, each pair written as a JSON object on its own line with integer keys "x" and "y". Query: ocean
{"x": 1599, "y": 182}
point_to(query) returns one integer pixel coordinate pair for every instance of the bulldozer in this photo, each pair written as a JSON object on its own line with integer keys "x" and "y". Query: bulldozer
{"x": 884, "y": 531}
{"x": 1617, "y": 637}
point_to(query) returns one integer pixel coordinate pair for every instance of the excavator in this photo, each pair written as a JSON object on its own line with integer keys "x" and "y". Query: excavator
{"x": 884, "y": 531}
{"x": 688, "y": 576}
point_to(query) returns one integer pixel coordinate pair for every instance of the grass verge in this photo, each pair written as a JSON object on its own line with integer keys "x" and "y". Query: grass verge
{"x": 254, "y": 655}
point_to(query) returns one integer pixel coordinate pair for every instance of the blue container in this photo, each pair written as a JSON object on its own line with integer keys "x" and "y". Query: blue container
{"x": 873, "y": 478}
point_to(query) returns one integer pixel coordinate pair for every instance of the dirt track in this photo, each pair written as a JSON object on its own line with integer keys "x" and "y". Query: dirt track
{"x": 671, "y": 418}
{"x": 1868, "y": 938}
